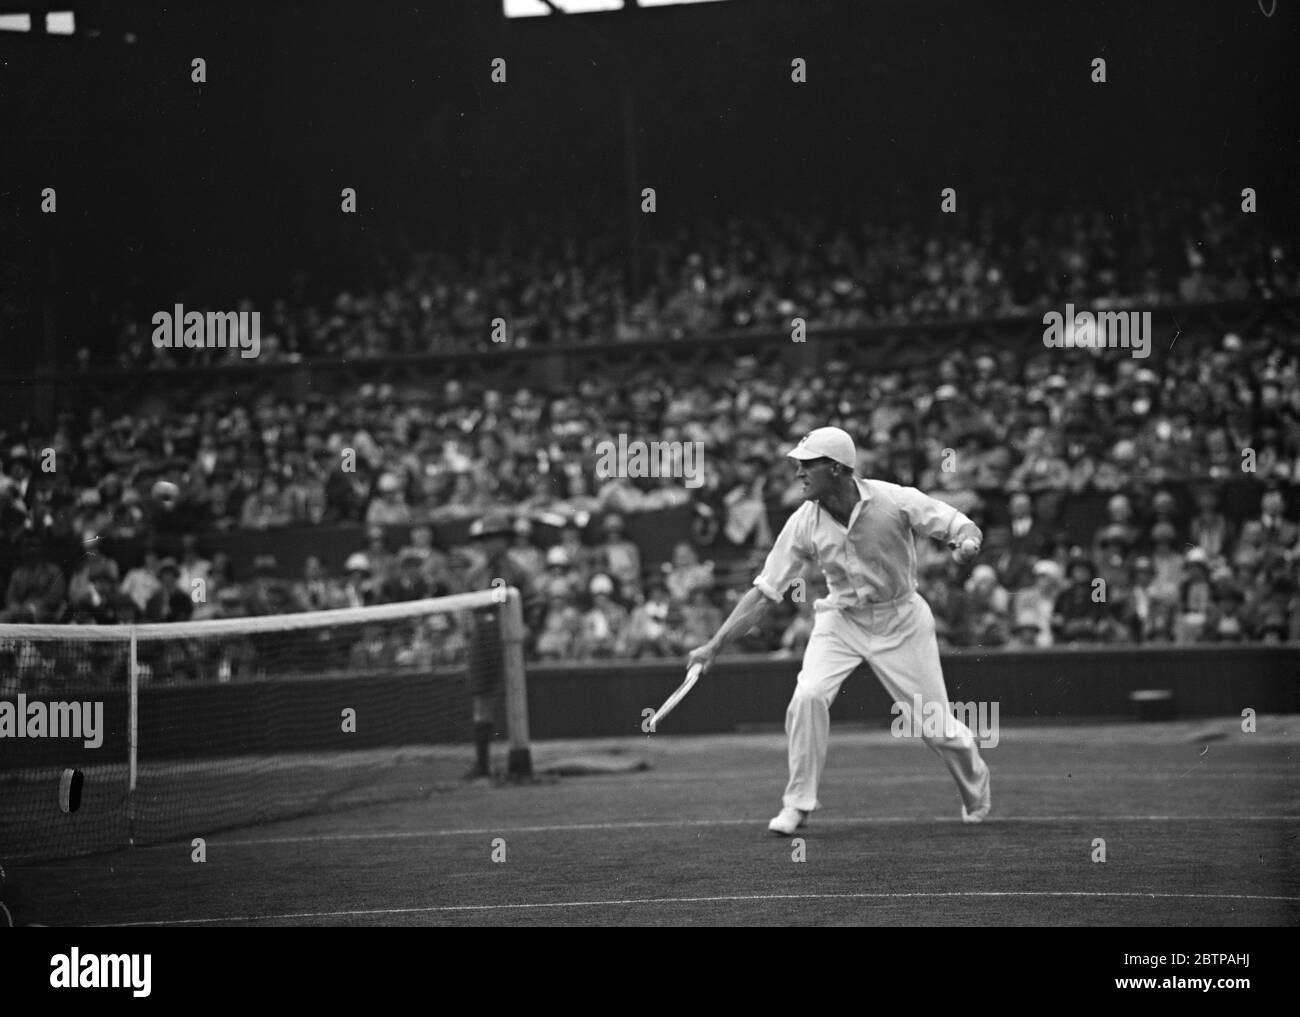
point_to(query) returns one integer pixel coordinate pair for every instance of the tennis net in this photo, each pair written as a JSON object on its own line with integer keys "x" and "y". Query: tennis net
{"x": 179, "y": 730}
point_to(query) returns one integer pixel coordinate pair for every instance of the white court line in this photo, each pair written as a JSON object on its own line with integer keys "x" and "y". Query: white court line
{"x": 749, "y": 898}
{"x": 668, "y": 824}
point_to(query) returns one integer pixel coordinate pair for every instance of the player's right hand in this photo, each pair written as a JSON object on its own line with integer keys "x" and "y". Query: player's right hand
{"x": 702, "y": 655}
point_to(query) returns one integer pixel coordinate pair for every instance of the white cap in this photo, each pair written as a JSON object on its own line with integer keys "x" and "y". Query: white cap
{"x": 827, "y": 443}
{"x": 1047, "y": 567}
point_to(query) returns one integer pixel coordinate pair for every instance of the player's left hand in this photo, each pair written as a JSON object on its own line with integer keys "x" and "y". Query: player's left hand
{"x": 964, "y": 551}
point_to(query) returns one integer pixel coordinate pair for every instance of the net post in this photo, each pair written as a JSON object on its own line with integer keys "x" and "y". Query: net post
{"x": 520, "y": 761}
{"x": 132, "y": 734}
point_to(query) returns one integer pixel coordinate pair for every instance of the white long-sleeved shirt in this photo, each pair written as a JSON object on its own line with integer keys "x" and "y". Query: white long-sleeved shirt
{"x": 873, "y": 561}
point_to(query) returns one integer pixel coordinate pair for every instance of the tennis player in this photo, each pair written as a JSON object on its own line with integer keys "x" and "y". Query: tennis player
{"x": 861, "y": 534}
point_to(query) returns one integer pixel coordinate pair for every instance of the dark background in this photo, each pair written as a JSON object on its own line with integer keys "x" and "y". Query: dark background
{"x": 170, "y": 190}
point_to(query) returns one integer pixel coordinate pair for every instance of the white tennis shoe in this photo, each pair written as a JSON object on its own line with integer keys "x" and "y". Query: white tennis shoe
{"x": 788, "y": 821}
{"x": 984, "y": 802}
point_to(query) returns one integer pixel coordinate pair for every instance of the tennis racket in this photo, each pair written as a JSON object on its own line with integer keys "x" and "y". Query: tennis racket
{"x": 692, "y": 676}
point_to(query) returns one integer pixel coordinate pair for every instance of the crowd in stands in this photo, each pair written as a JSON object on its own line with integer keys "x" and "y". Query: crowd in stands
{"x": 1055, "y": 421}
{"x": 1158, "y": 573}
{"x": 974, "y": 426}
{"x": 853, "y": 265}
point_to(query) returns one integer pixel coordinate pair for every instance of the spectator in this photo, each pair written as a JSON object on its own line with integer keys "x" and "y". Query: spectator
{"x": 346, "y": 492}
{"x": 1120, "y": 525}
{"x": 433, "y": 563}
{"x": 1167, "y": 563}
{"x": 580, "y": 557}
{"x": 168, "y": 511}
{"x": 947, "y": 600}
{"x": 988, "y": 606}
{"x": 169, "y": 603}
{"x": 618, "y": 556}
{"x": 1256, "y": 587}
{"x": 1079, "y": 617}
{"x": 1210, "y": 529}
{"x": 650, "y": 625}
{"x": 193, "y": 565}
{"x": 141, "y": 582}
{"x": 80, "y": 583}
{"x": 230, "y": 603}
{"x": 498, "y": 571}
{"x": 267, "y": 593}
{"x": 604, "y": 622}
{"x": 92, "y": 520}
{"x": 129, "y": 518}
{"x": 101, "y": 602}
{"x": 561, "y": 628}
{"x": 20, "y": 477}
{"x": 382, "y": 562}
{"x": 265, "y": 509}
{"x": 701, "y": 619}
{"x": 1037, "y": 603}
{"x": 13, "y": 513}
{"x": 560, "y": 580}
{"x": 1148, "y": 614}
{"x": 1025, "y": 543}
{"x": 409, "y": 583}
{"x": 686, "y": 573}
{"x": 1113, "y": 567}
{"x": 1164, "y": 509}
{"x": 37, "y": 590}
{"x": 1228, "y": 621}
{"x": 359, "y": 587}
{"x": 1195, "y": 598}
{"x": 746, "y": 508}
{"x": 315, "y": 591}
{"x": 220, "y": 578}
{"x": 1025, "y": 632}
{"x": 1252, "y": 550}
{"x": 526, "y": 554}
{"x": 448, "y": 640}
{"x": 373, "y": 651}
{"x": 1277, "y": 531}
{"x": 390, "y": 508}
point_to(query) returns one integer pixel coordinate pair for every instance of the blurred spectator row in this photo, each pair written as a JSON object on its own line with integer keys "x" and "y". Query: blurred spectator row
{"x": 853, "y": 265}
{"x": 1158, "y": 576}
{"x": 1045, "y": 422}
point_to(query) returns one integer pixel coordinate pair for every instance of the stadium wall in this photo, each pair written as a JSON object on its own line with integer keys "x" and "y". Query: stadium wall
{"x": 607, "y": 699}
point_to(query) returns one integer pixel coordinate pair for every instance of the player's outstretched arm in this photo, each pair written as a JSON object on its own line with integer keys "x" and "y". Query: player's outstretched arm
{"x": 930, "y": 517}
{"x": 753, "y": 607}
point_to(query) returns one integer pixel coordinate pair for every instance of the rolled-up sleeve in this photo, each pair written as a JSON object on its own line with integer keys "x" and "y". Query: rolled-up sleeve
{"x": 787, "y": 558}
{"x": 933, "y": 518}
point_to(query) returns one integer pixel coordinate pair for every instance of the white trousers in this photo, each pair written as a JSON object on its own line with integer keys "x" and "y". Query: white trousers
{"x": 898, "y": 641}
